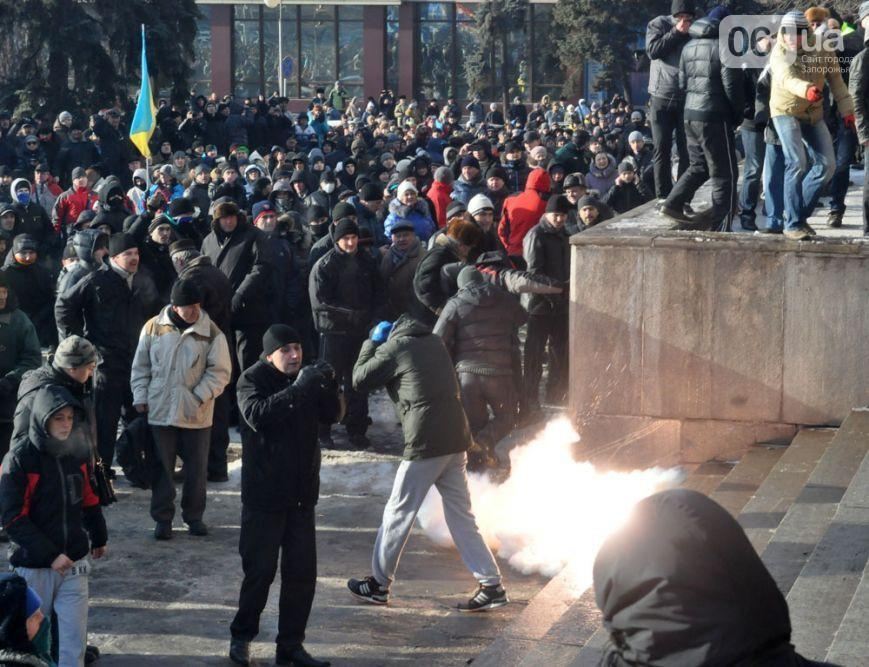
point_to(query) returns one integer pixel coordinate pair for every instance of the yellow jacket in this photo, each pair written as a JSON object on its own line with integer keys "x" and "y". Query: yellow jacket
{"x": 813, "y": 66}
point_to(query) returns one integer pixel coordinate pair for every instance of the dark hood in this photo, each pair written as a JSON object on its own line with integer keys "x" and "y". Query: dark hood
{"x": 704, "y": 28}
{"x": 46, "y": 402}
{"x": 109, "y": 186}
{"x": 11, "y": 298}
{"x": 680, "y": 584}
{"x": 84, "y": 243}
{"x": 406, "y": 325}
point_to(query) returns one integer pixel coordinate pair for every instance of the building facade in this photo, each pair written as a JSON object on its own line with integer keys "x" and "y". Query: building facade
{"x": 410, "y": 47}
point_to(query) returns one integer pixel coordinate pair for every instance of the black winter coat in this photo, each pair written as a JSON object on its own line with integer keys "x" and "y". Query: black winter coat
{"x": 347, "y": 293}
{"x": 623, "y": 197}
{"x": 34, "y": 287}
{"x": 280, "y": 453}
{"x": 428, "y": 287}
{"x": 713, "y": 93}
{"x": 47, "y": 504}
{"x": 547, "y": 251}
{"x": 109, "y": 314}
{"x": 215, "y": 288}
{"x": 479, "y": 326}
{"x": 243, "y": 258}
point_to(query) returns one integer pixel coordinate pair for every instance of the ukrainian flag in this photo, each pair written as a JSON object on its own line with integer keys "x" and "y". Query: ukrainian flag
{"x": 145, "y": 119}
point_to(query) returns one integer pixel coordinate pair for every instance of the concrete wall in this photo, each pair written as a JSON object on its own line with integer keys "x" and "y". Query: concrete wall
{"x": 691, "y": 346}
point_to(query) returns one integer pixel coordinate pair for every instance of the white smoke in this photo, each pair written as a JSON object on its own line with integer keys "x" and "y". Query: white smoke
{"x": 552, "y": 511}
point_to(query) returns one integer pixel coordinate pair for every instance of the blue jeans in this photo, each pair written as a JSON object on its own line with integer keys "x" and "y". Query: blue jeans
{"x": 844, "y": 145}
{"x": 753, "y": 146}
{"x": 803, "y": 185}
{"x": 773, "y": 187}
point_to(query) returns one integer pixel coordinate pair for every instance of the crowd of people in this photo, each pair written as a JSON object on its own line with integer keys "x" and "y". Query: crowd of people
{"x": 271, "y": 268}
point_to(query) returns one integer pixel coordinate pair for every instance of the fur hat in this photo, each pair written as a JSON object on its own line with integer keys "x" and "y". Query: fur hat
{"x": 224, "y": 209}
{"x": 817, "y": 14}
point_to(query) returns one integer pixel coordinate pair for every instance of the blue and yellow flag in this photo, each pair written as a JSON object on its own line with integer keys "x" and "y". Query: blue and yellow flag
{"x": 145, "y": 119}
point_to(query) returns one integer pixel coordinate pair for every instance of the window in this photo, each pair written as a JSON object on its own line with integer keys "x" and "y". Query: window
{"x": 201, "y": 77}
{"x": 435, "y": 49}
{"x": 548, "y": 76}
{"x": 323, "y": 42}
{"x": 392, "y": 48}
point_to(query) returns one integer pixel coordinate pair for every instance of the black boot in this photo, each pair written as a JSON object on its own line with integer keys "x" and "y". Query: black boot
{"x": 239, "y": 652}
{"x": 299, "y": 657}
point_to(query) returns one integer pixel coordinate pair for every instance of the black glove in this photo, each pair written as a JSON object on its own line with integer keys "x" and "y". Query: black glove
{"x": 325, "y": 369}
{"x": 308, "y": 379}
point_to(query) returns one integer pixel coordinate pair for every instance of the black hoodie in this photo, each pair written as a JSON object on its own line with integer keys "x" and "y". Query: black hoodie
{"x": 680, "y": 584}
{"x": 47, "y": 504}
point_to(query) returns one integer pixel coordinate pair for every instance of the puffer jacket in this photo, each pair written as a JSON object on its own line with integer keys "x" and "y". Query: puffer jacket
{"x": 602, "y": 179}
{"x": 664, "y": 46}
{"x": 416, "y": 369}
{"x": 521, "y": 212}
{"x": 547, "y": 252}
{"x": 19, "y": 351}
{"x": 47, "y": 504}
{"x": 418, "y": 215}
{"x": 84, "y": 243}
{"x": 34, "y": 288}
{"x": 713, "y": 93}
{"x": 346, "y": 292}
{"x": 178, "y": 374}
{"x": 464, "y": 191}
{"x": 811, "y": 66}
{"x": 479, "y": 327}
{"x": 113, "y": 214}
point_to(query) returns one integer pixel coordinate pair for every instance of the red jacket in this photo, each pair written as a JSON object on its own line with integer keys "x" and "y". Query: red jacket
{"x": 69, "y": 206}
{"x": 523, "y": 211}
{"x": 439, "y": 195}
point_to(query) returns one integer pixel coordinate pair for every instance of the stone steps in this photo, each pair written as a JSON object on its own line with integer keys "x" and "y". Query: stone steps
{"x": 804, "y": 508}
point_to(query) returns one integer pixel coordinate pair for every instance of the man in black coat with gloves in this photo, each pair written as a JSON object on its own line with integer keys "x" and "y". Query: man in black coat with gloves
{"x": 282, "y": 405}
{"x": 238, "y": 249}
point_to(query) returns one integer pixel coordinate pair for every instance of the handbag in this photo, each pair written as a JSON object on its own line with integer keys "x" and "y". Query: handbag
{"x": 101, "y": 484}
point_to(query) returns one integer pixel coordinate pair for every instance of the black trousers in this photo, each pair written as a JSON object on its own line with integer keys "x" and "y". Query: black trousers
{"x": 865, "y": 201}
{"x": 219, "y": 435}
{"x": 265, "y": 535}
{"x": 113, "y": 399}
{"x": 666, "y": 122}
{"x": 711, "y": 158}
{"x": 342, "y": 351}
{"x": 191, "y": 444}
{"x": 6, "y": 429}
{"x": 551, "y": 328}
{"x": 249, "y": 345}
{"x": 479, "y": 393}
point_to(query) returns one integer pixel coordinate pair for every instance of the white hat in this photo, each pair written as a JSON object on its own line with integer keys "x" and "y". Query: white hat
{"x": 404, "y": 187}
{"x": 480, "y": 203}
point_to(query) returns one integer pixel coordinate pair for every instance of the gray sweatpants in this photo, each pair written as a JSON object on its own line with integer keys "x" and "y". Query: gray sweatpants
{"x": 412, "y": 482}
{"x": 67, "y": 595}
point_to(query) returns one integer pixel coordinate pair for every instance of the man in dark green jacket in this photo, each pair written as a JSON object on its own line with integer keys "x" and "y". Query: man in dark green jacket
{"x": 415, "y": 367}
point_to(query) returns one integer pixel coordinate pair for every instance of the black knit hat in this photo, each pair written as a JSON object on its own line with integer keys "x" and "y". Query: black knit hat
{"x": 156, "y": 222}
{"x": 682, "y": 7}
{"x": 24, "y": 242}
{"x": 345, "y": 227}
{"x": 184, "y": 245}
{"x": 180, "y": 206}
{"x": 588, "y": 200}
{"x": 185, "y": 293}
{"x": 370, "y": 192}
{"x": 558, "y": 204}
{"x": 343, "y": 209}
{"x": 279, "y": 335}
{"x": 121, "y": 242}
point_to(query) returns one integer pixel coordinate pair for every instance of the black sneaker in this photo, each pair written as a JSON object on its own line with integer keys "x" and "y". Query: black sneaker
{"x": 675, "y": 214}
{"x": 359, "y": 441}
{"x": 368, "y": 590}
{"x": 298, "y": 657}
{"x": 325, "y": 441}
{"x": 197, "y": 528}
{"x": 91, "y": 654}
{"x": 834, "y": 218}
{"x": 239, "y": 652}
{"x": 163, "y": 530}
{"x": 487, "y": 597}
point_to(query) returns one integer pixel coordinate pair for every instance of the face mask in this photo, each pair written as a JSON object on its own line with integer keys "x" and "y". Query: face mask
{"x": 328, "y": 188}
{"x": 41, "y": 642}
{"x": 116, "y": 200}
{"x": 139, "y": 183}
{"x": 24, "y": 198}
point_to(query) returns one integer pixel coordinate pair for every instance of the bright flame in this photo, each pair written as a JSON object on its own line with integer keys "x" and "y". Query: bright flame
{"x": 552, "y": 511}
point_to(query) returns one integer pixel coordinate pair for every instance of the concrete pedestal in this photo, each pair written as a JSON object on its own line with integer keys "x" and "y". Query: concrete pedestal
{"x": 690, "y": 346}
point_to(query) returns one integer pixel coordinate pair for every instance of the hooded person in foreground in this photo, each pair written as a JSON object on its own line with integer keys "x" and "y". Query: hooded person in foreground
{"x": 680, "y": 584}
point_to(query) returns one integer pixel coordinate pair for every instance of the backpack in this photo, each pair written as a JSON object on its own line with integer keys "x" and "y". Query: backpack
{"x": 135, "y": 452}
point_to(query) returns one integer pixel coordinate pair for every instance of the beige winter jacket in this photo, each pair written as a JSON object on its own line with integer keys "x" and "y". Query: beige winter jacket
{"x": 812, "y": 66}
{"x": 179, "y": 374}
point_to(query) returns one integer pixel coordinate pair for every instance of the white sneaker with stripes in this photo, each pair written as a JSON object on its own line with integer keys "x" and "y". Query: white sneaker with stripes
{"x": 486, "y": 597}
{"x": 368, "y": 590}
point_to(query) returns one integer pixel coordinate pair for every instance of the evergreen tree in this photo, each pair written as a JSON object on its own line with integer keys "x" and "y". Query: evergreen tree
{"x": 57, "y": 54}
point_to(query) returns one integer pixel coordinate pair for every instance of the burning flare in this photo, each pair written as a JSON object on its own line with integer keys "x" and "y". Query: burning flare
{"x": 552, "y": 511}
